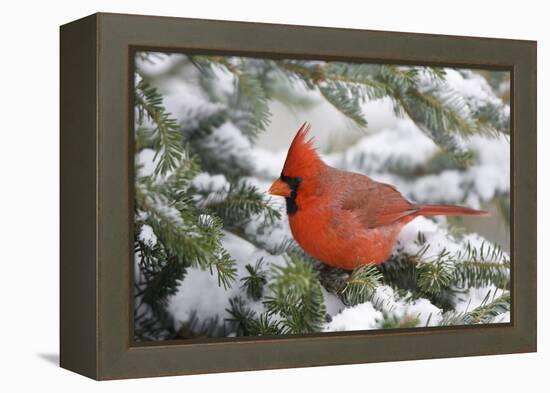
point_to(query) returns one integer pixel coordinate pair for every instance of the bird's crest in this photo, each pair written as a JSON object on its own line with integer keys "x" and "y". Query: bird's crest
{"x": 302, "y": 158}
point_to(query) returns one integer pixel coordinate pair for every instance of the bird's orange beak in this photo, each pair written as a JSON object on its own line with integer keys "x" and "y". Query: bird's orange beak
{"x": 280, "y": 188}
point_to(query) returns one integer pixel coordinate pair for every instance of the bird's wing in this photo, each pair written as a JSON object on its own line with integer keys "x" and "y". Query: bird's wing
{"x": 373, "y": 203}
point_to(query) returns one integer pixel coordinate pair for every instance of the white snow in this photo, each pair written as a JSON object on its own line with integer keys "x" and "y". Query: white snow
{"x": 492, "y": 175}
{"x": 147, "y": 162}
{"x": 225, "y": 82}
{"x": 333, "y": 304}
{"x": 147, "y": 235}
{"x": 473, "y": 87}
{"x": 439, "y": 239}
{"x": 373, "y": 152}
{"x": 446, "y": 186}
{"x": 468, "y": 91}
{"x": 436, "y": 236}
{"x": 367, "y": 315}
{"x": 178, "y": 81}
{"x": 185, "y": 99}
{"x": 199, "y": 292}
{"x": 421, "y": 309}
{"x": 360, "y": 317}
{"x": 229, "y": 134}
{"x": 474, "y": 297}
{"x": 157, "y": 63}
{"x": 212, "y": 183}
{"x": 229, "y": 144}
{"x": 267, "y": 164}
{"x": 502, "y": 318}
{"x": 409, "y": 147}
{"x": 269, "y": 236}
{"x": 215, "y": 186}
{"x": 398, "y": 140}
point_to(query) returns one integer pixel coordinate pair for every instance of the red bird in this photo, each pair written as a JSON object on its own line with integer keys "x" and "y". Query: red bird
{"x": 343, "y": 218}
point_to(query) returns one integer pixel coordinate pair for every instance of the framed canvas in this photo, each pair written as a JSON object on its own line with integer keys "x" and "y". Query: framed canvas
{"x": 243, "y": 196}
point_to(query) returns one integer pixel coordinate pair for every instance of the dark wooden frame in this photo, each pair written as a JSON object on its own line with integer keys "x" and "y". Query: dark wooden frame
{"x": 97, "y": 193}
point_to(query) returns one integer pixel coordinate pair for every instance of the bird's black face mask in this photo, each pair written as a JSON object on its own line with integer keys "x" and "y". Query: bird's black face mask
{"x": 293, "y": 183}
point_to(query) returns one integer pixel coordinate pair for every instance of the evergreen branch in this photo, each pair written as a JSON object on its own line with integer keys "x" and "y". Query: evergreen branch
{"x": 400, "y": 272}
{"x": 431, "y": 117}
{"x": 435, "y": 275}
{"x": 190, "y": 235}
{"x": 477, "y": 274}
{"x": 485, "y": 253}
{"x": 143, "y": 139}
{"x": 491, "y": 120}
{"x": 248, "y": 323}
{"x": 479, "y": 267}
{"x": 193, "y": 327}
{"x": 198, "y": 129}
{"x": 331, "y": 278}
{"x": 343, "y": 85}
{"x": 359, "y": 76}
{"x": 225, "y": 267}
{"x": 159, "y": 275}
{"x": 205, "y": 63}
{"x": 297, "y": 297}
{"x": 218, "y": 153}
{"x": 172, "y": 189}
{"x": 166, "y": 135}
{"x": 440, "y": 277}
{"x": 160, "y": 270}
{"x": 255, "y": 281}
{"x": 176, "y": 186}
{"x": 242, "y": 315}
{"x": 301, "y": 72}
{"x": 186, "y": 237}
{"x": 392, "y": 321}
{"x": 399, "y": 80}
{"x": 343, "y": 100}
{"x": 359, "y": 286}
{"x": 439, "y": 113}
{"x": 253, "y": 90}
{"x": 395, "y": 311}
{"x": 436, "y": 74}
{"x": 240, "y": 203}
{"x": 288, "y": 245}
{"x": 486, "y": 312}
{"x": 442, "y": 117}
{"x": 333, "y": 87}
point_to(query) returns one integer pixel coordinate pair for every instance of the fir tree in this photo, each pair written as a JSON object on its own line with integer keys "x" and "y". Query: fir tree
{"x": 194, "y": 185}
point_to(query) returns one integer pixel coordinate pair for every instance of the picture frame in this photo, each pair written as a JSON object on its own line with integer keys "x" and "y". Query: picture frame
{"x": 96, "y": 164}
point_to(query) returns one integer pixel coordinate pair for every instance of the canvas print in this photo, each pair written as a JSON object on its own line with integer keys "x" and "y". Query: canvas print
{"x": 294, "y": 196}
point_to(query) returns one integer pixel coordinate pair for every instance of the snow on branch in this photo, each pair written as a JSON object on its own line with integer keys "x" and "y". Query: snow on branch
{"x": 214, "y": 255}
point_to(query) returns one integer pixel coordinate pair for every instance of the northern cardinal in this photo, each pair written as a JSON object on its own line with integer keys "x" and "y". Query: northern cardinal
{"x": 342, "y": 218}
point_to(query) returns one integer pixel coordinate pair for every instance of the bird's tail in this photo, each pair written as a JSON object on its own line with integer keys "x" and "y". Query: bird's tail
{"x": 448, "y": 210}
